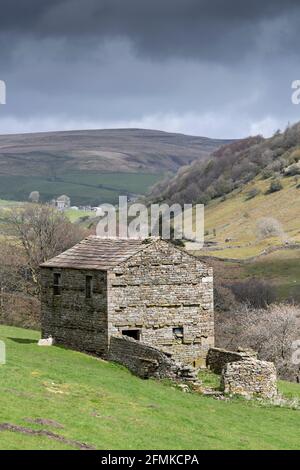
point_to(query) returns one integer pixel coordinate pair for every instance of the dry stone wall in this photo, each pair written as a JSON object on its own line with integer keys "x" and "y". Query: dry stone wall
{"x": 217, "y": 358}
{"x": 146, "y": 361}
{"x": 249, "y": 378}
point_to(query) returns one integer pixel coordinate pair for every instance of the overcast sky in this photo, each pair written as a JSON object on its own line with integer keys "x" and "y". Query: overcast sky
{"x": 203, "y": 67}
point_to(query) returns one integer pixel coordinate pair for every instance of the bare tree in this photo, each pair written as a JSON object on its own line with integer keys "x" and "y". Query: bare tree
{"x": 254, "y": 292}
{"x": 34, "y": 196}
{"x": 43, "y": 232}
{"x": 271, "y": 332}
{"x": 19, "y": 304}
{"x": 269, "y": 227}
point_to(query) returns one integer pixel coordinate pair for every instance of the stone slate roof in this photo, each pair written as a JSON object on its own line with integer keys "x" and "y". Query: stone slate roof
{"x": 96, "y": 253}
{"x": 63, "y": 198}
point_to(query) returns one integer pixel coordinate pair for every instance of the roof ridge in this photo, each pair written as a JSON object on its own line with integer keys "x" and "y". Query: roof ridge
{"x": 89, "y": 253}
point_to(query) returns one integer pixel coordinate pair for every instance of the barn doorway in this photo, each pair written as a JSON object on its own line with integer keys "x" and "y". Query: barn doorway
{"x": 135, "y": 334}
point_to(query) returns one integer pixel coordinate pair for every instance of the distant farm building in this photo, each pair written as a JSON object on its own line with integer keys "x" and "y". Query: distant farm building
{"x": 62, "y": 202}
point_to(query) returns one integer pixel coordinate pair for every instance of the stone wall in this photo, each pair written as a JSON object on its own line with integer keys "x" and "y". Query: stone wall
{"x": 217, "y": 358}
{"x": 70, "y": 318}
{"x": 250, "y": 377}
{"x": 159, "y": 289}
{"x": 146, "y": 361}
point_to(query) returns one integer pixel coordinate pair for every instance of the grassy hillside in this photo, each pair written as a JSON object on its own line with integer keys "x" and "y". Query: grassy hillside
{"x": 236, "y": 218}
{"x": 95, "y": 165}
{"x": 84, "y": 188}
{"x": 231, "y": 225}
{"x": 100, "y": 150}
{"x": 245, "y": 186}
{"x": 52, "y": 398}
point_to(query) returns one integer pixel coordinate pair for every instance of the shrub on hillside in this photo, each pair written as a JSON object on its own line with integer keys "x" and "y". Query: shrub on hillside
{"x": 271, "y": 332}
{"x": 275, "y": 186}
{"x": 267, "y": 173}
{"x": 295, "y": 156}
{"x": 252, "y": 194}
{"x": 254, "y": 292}
{"x": 224, "y": 298}
{"x": 269, "y": 227}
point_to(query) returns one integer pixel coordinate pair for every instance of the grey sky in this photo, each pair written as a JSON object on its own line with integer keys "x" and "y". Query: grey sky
{"x": 205, "y": 67}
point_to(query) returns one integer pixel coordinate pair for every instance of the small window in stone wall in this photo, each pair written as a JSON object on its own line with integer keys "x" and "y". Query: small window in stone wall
{"x": 135, "y": 334}
{"x": 56, "y": 283}
{"x": 178, "y": 332}
{"x": 88, "y": 286}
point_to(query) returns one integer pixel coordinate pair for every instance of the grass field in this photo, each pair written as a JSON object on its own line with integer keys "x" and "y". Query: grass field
{"x": 236, "y": 219}
{"x": 232, "y": 225}
{"x": 83, "y": 400}
{"x": 84, "y": 187}
{"x": 281, "y": 268}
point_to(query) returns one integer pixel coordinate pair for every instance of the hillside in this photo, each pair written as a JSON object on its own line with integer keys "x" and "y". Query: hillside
{"x": 52, "y": 398}
{"x": 93, "y": 166}
{"x": 251, "y": 192}
{"x": 242, "y": 185}
{"x": 232, "y": 167}
{"x": 129, "y": 150}
{"x": 233, "y": 229}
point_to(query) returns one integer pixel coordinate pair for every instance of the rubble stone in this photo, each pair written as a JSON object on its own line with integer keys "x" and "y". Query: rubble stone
{"x": 249, "y": 378}
{"x": 217, "y": 358}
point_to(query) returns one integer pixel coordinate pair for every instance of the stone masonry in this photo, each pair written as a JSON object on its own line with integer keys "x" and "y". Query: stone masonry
{"x": 146, "y": 361}
{"x": 217, "y": 358}
{"x": 250, "y": 378}
{"x": 149, "y": 290}
{"x": 159, "y": 290}
{"x": 72, "y": 319}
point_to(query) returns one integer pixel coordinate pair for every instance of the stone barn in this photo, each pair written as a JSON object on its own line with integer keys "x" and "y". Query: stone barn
{"x": 148, "y": 290}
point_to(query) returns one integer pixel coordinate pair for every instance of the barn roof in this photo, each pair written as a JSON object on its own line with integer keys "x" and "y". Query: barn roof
{"x": 97, "y": 253}
{"x": 63, "y": 197}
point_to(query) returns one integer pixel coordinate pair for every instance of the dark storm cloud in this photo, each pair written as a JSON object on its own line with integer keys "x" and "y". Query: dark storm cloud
{"x": 203, "y": 29}
{"x": 221, "y": 68}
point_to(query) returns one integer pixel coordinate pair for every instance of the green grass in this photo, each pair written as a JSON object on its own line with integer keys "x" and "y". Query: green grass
{"x": 235, "y": 219}
{"x": 4, "y": 203}
{"x": 75, "y": 215}
{"x": 209, "y": 379}
{"x": 282, "y": 268}
{"x": 103, "y": 405}
{"x": 232, "y": 225}
{"x": 289, "y": 390}
{"x": 82, "y": 187}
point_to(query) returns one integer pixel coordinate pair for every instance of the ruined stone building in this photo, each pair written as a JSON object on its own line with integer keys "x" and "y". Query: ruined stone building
{"x": 148, "y": 290}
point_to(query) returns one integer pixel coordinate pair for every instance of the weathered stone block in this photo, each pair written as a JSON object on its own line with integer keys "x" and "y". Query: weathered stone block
{"x": 218, "y": 357}
{"x": 249, "y": 378}
{"x": 146, "y": 361}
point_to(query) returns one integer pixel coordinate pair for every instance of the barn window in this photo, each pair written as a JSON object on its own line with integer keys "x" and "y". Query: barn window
{"x": 178, "y": 332}
{"x": 56, "y": 283}
{"x": 135, "y": 334}
{"x": 88, "y": 286}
